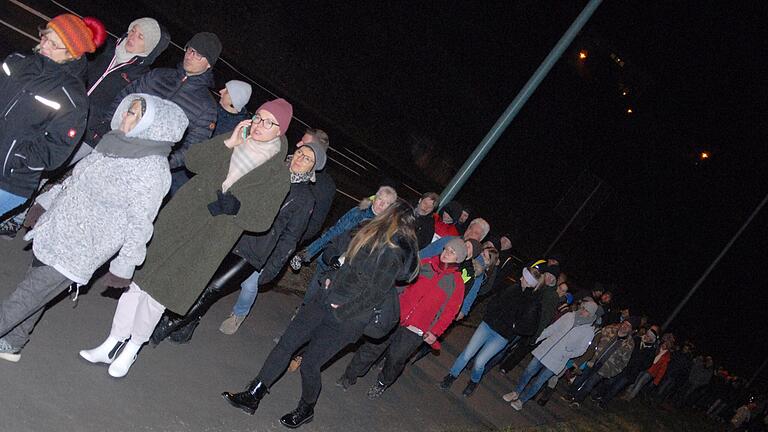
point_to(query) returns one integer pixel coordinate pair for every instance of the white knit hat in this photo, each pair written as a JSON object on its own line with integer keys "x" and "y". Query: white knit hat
{"x": 239, "y": 92}
{"x": 151, "y": 31}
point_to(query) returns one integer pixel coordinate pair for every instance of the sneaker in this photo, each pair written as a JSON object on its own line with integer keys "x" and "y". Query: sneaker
{"x": 447, "y": 381}
{"x": 469, "y": 389}
{"x": 376, "y": 390}
{"x": 344, "y": 382}
{"x": 8, "y": 352}
{"x": 295, "y": 364}
{"x": 516, "y": 404}
{"x": 511, "y": 396}
{"x": 9, "y": 228}
{"x": 231, "y": 324}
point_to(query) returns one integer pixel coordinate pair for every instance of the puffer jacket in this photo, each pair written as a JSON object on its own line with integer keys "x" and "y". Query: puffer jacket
{"x": 561, "y": 342}
{"x": 190, "y": 93}
{"x": 108, "y": 204}
{"x": 106, "y": 78}
{"x": 43, "y": 116}
{"x": 364, "y": 281}
{"x": 270, "y": 251}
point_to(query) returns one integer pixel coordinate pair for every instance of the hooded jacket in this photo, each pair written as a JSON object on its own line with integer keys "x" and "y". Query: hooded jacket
{"x": 108, "y": 204}
{"x": 106, "y": 78}
{"x": 188, "y": 92}
{"x": 432, "y": 302}
{"x": 561, "y": 342}
{"x": 364, "y": 281}
{"x": 43, "y": 116}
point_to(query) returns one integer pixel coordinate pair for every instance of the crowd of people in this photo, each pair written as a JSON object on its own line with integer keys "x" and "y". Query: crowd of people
{"x": 181, "y": 200}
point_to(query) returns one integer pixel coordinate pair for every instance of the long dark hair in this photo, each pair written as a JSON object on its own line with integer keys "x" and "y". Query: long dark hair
{"x": 398, "y": 220}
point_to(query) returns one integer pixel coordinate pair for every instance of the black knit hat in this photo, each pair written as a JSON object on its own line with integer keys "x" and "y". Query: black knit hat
{"x": 207, "y": 44}
{"x": 453, "y": 209}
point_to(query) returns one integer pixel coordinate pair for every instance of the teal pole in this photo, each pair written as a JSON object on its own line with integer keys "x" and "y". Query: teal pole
{"x": 517, "y": 104}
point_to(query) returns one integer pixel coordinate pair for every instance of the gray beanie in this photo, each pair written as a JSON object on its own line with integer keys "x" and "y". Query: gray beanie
{"x": 320, "y": 156}
{"x": 239, "y": 92}
{"x": 460, "y": 247}
{"x": 151, "y": 31}
{"x": 590, "y": 307}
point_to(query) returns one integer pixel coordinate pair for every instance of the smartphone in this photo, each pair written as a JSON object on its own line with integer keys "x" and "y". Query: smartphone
{"x": 246, "y": 132}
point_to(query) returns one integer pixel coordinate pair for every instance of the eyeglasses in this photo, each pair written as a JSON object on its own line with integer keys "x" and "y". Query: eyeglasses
{"x": 303, "y": 157}
{"x": 449, "y": 250}
{"x": 44, "y": 39}
{"x": 267, "y": 123}
{"x": 194, "y": 54}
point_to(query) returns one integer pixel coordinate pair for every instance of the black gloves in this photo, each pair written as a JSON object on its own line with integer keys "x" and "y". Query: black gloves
{"x": 225, "y": 204}
{"x": 33, "y": 215}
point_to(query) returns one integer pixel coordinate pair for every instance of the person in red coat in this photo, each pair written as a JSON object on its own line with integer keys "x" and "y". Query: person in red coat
{"x": 427, "y": 308}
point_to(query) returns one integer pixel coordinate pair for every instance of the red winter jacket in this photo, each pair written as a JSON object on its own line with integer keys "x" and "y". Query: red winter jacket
{"x": 421, "y": 301}
{"x": 658, "y": 369}
{"x": 443, "y": 229}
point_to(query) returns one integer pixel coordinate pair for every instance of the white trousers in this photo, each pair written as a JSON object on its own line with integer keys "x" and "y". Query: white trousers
{"x": 136, "y": 316}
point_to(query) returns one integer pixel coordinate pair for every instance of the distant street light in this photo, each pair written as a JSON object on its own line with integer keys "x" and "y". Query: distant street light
{"x": 704, "y": 155}
{"x": 629, "y": 111}
{"x": 582, "y": 55}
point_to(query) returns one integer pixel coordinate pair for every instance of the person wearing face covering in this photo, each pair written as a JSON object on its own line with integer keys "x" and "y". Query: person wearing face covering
{"x": 105, "y": 207}
{"x": 566, "y": 338}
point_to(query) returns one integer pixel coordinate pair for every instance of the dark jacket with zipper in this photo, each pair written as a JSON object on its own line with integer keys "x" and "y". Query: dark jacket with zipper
{"x": 270, "y": 251}
{"x": 363, "y": 282}
{"x": 324, "y": 189}
{"x": 190, "y": 93}
{"x": 514, "y": 311}
{"x": 103, "y": 85}
{"x": 44, "y": 111}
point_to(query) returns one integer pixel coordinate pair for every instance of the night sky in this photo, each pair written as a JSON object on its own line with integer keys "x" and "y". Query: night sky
{"x": 418, "y": 84}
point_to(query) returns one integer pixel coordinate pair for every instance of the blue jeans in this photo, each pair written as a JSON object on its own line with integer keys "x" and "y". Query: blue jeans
{"x": 485, "y": 343}
{"x": 534, "y": 368}
{"x": 9, "y": 201}
{"x": 249, "y": 289}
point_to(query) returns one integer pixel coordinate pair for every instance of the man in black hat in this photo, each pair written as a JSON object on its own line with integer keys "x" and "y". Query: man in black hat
{"x": 187, "y": 86}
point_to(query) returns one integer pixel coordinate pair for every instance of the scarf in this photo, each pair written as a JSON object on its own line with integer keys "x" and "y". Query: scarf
{"x": 247, "y": 157}
{"x": 115, "y": 144}
{"x": 123, "y": 56}
{"x": 580, "y": 320}
{"x": 301, "y": 177}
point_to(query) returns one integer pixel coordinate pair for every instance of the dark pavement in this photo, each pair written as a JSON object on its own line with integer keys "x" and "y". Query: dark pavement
{"x": 177, "y": 387}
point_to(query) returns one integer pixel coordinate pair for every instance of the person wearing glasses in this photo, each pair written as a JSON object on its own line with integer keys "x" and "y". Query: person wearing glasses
{"x": 257, "y": 258}
{"x": 44, "y": 106}
{"x": 187, "y": 85}
{"x": 240, "y": 184}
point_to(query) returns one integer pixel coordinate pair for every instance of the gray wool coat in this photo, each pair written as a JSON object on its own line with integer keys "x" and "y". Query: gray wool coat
{"x": 190, "y": 244}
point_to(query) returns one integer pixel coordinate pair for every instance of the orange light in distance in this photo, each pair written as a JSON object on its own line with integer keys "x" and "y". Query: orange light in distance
{"x": 704, "y": 155}
{"x": 582, "y": 55}
{"x": 629, "y": 111}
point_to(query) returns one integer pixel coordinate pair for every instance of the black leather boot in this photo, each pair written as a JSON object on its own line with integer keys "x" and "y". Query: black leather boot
{"x": 184, "y": 333}
{"x": 167, "y": 325}
{"x": 247, "y": 400}
{"x": 304, "y": 413}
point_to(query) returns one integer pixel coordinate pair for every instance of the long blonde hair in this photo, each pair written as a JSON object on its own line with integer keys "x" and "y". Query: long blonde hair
{"x": 380, "y": 231}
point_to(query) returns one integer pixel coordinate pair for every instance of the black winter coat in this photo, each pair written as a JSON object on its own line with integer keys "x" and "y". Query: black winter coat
{"x": 514, "y": 311}
{"x": 190, "y": 93}
{"x": 103, "y": 84}
{"x": 323, "y": 189}
{"x": 363, "y": 282}
{"x": 44, "y": 111}
{"x": 269, "y": 251}
{"x": 641, "y": 359}
{"x": 425, "y": 230}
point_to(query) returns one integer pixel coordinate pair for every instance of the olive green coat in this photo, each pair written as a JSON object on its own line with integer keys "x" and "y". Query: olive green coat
{"x": 189, "y": 244}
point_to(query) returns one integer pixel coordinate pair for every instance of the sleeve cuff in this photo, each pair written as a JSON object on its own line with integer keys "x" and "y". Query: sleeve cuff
{"x": 124, "y": 271}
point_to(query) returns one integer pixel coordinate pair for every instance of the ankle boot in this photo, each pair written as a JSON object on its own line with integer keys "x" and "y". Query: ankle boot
{"x": 546, "y": 394}
{"x": 104, "y": 353}
{"x": 447, "y": 382}
{"x": 304, "y": 413}
{"x": 122, "y": 364}
{"x": 172, "y": 323}
{"x": 249, "y": 399}
{"x": 169, "y": 322}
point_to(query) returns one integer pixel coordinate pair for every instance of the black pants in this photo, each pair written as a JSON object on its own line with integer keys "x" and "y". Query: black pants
{"x": 315, "y": 326}
{"x": 399, "y": 347}
{"x": 517, "y": 355}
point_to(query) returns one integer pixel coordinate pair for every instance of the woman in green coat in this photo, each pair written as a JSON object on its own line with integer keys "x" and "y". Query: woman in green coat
{"x": 239, "y": 186}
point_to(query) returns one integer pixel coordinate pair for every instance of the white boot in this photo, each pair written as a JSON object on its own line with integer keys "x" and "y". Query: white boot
{"x": 104, "y": 353}
{"x": 122, "y": 364}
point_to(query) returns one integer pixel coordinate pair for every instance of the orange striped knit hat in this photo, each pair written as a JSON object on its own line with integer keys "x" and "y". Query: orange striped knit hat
{"x": 80, "y": 35}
